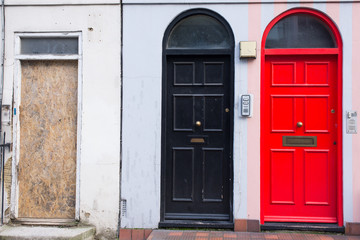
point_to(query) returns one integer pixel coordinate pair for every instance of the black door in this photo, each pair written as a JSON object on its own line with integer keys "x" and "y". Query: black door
{"x": 197, "y": 138}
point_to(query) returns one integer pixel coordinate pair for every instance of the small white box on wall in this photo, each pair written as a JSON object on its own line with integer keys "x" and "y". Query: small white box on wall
{"x": 248, "y": 49}
{"x": 5, "y": 115}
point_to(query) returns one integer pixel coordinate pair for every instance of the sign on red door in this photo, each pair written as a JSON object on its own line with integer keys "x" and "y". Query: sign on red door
{"x": 299, "y": 138}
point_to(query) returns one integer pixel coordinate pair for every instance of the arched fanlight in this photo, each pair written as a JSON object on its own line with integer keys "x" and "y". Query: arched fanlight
{"x": 300, "y": 31}
{"x": 199, "y": 32}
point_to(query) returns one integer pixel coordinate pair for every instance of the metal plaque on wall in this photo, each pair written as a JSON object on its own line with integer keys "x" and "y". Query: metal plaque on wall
{"x": 351, "y": 125}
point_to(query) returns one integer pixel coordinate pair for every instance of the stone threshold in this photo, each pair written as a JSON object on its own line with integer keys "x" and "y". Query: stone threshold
{"x": 20, "y": 232}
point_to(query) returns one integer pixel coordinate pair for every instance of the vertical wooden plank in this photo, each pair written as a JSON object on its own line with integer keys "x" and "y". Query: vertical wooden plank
{"x": 48, "y": 126}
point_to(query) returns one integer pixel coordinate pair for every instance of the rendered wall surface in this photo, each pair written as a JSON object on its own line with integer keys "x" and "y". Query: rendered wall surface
{"x": 142, "y": 94}
{"x": 99, "y": 170}
{"x": 61, "y": 2}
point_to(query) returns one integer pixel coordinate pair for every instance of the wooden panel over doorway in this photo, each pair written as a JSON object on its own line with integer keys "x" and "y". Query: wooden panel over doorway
{"x": 48, "y": 130}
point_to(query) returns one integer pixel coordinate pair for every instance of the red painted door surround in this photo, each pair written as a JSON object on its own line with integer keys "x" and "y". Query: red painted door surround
{"x": 301, "y": 126}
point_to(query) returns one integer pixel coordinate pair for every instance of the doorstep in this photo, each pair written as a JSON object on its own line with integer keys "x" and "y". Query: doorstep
{"x": 312, "y": 227}
{"x": 19, "y": 232}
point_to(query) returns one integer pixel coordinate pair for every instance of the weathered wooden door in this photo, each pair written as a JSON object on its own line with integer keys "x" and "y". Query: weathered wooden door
{"x": 48, "y": 133}
{"x": 198, "y": 139}
{"x": 300, "y": 138}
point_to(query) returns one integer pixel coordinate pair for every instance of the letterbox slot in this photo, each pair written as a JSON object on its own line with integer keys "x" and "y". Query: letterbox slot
{"x": 299, "y": 141}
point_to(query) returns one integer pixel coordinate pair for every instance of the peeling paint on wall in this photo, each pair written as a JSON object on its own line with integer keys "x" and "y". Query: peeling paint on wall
{"x": 100, "y": 101}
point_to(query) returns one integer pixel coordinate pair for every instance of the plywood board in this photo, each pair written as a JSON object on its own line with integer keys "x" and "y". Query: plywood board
{"x": 48, "y": 127}
{"x": 7, "y": 179}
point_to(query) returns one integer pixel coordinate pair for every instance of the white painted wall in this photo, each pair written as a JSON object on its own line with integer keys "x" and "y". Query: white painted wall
{"x": 1, "y": 42}
{"x": 208, "y": 1}
{"x": 346, "y": 31}
{"x": 100, "y": 140}
{"x": 60, "y": 2}
{"x": 143, "y": 31}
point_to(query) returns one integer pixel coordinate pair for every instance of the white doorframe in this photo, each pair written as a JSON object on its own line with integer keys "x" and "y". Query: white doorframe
{"x": 17, "y": 103}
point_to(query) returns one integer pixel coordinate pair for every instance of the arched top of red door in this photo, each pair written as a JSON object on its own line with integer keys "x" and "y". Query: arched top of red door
{"x": 325, "y": 39}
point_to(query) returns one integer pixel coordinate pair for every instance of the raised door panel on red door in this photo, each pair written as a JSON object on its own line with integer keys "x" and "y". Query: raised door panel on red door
{"x": 300, "y": 138}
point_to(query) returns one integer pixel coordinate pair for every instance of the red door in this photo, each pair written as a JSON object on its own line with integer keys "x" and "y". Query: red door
{"x": 299, "y": 128}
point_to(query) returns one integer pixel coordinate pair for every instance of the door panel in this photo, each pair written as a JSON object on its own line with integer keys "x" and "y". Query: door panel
{"x": 299, "y": 132}
{"x": 184, "y": 73}
{"x": 282, "y": 176}
{"x": 317, "y": 73}
{"x": 317, "y": 114}
{"x": 197, "y": 134}
{"x": 317, "y": 184}
{"x": 285, "y": 123}
{"x": 183, "y": 117}
{"x": 213, "y": 73}
{"x": 213, "y": 113}
{"x": 283, "y": 73}
{"x": 213, "y": 176}
{"x": 183, "y": 162}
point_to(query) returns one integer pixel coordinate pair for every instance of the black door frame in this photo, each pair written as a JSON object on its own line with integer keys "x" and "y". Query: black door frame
{"x": 200, "y": 52}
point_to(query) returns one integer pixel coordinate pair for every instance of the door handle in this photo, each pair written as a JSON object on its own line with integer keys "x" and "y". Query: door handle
{"x": 299, "y": 124}
{"x": 198, "y": 123}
